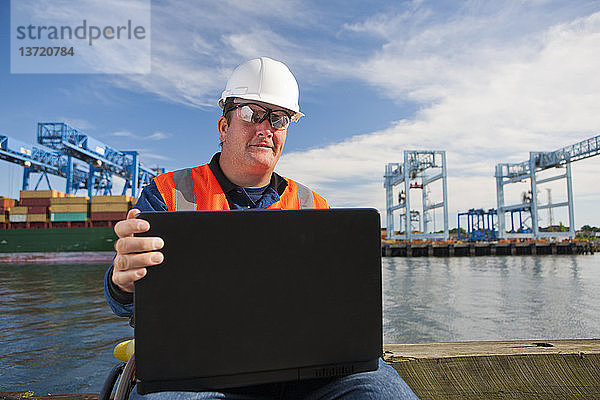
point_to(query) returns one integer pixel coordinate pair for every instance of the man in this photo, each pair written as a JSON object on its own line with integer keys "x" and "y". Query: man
{"x": 259, "y": 101}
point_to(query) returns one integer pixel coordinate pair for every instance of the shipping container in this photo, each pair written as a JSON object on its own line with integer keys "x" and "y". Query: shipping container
{"x": 111, "y": 199}
{"x": 27, "y": 194}
{"x": 69, "y": 200}
{"x": 68, "y": 216}
{"x": 108, "y": 216}
{"x": 37, "y": 217}
{"x": 35, "y": 201}
{"x": 17, "y": 217}
{"x": 110, "y": 207}
{"x": 37, "y": 209}
{"x": 6, "y": 202}
{"x": 69, "y": 208}
{"x": 18, "y": 210}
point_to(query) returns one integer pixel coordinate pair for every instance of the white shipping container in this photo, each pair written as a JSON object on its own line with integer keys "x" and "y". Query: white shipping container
{"x": 17, "y": 218}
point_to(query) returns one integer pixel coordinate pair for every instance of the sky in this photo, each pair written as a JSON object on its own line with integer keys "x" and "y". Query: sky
{"x": 487, "y": 82}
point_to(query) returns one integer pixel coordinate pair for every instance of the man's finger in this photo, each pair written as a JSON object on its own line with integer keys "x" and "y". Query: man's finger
{"x": 130, "y": 244}
{"x": 125, "y": 279}
{"x": 124, "y": 262}
{"x": 128, "y": 227}
{"x": 132, "y": 213}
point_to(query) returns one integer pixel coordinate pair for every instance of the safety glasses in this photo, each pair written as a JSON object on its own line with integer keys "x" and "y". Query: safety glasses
{"x": 255, "y": 113}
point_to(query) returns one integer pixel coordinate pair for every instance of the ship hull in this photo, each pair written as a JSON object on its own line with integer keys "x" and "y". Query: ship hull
{"x": 57, "y": 240}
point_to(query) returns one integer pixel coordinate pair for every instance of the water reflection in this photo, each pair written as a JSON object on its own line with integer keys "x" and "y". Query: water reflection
{"x": 490, "y": 298}
{"x": 56, "y": 331}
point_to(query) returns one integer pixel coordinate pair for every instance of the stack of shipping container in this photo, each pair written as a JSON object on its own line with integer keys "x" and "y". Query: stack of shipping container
{"x": 69, "y": 209}
{"x": 34, "y": 204}
{"x": 50, "y": 206}
{"x": 110, "y": 208}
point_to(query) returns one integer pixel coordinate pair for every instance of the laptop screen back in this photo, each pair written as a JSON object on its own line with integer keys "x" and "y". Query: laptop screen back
{"x": 248, "y": 297}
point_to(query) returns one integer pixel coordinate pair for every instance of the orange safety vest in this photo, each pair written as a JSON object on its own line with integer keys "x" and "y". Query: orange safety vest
{"x": 197, "y": 189}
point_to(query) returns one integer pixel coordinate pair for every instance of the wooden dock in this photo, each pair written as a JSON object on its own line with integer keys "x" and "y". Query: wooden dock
{"x": 485, "y": 249}
{"x": 551, "y": 369}
{"x": 525, "y": 369}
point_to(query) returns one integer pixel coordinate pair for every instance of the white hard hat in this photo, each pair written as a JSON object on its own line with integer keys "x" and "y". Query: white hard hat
{"x": 264, "y": 79}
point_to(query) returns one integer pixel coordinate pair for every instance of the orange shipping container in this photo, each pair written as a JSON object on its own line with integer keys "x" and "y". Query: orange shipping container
{"x": 6, "y": 202}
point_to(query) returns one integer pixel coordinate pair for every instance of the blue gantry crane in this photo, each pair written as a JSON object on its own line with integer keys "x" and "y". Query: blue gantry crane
{"x": 61, "y": 146}
{"x": 103, "y": 161}
{"x": 38, "y": 159}
{"x": 429, "y": 166}
{"x": 561, "y": 159}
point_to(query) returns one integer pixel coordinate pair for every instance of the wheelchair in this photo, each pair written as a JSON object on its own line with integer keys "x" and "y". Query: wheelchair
{"x": 124, "y": 352}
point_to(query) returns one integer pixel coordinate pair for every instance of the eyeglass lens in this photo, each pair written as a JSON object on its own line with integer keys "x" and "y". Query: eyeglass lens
{"x": 257, "y": 114}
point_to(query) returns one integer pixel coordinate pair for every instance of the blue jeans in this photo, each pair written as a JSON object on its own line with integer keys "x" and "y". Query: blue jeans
{"x": 385, "y": 383}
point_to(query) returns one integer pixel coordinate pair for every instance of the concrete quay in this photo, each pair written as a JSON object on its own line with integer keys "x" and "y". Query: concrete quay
{"x": 485, "y": 249}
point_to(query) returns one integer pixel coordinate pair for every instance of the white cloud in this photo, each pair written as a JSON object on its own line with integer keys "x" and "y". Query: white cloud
{"x": 145, "y": 154}
{"x": 123, "y": 134}
{"x": 158, "y": 136}
{"x": 153, "y": 136}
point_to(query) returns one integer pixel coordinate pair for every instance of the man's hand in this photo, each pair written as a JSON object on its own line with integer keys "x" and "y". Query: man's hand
{"x": 134, "y": 254}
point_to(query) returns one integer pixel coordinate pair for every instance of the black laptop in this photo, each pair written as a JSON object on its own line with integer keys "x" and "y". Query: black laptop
{"x": 252, "y": 297}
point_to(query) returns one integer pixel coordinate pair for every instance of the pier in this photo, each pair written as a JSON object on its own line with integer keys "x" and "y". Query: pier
{"x": 533, "y": 369}
{"x": 457, "y": 249}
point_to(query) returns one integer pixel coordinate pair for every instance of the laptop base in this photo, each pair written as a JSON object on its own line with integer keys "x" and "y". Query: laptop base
{"x": 257, "y": 378}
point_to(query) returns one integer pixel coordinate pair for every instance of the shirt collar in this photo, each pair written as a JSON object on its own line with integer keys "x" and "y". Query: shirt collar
{"x": 278, "y": 183}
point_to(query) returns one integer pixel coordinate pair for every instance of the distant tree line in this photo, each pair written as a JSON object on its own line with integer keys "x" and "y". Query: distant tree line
{"x": 587, "y": 228}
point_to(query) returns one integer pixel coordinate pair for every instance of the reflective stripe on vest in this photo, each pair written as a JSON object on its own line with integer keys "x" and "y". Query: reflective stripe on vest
{"x": 177, "y": 189}
{"x": 305, "y": 196}
{"x": 184, "y": 190}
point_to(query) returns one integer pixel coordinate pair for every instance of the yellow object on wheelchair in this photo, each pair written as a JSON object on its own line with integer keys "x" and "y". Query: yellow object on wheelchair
{"x": 124, "y": 350}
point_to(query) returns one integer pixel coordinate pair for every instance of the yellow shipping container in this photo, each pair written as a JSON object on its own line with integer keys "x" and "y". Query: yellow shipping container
{"x": 69, "y": 200}
{"x": 3, "y": 218}
{"x": 37, "y": 217}
{"x": 18, "y": 210}
{"x": 67, "y": 208}
{"x": 110, "y": 207}
{"x": 111, "y": 199}
{"x": 38, "y": 194}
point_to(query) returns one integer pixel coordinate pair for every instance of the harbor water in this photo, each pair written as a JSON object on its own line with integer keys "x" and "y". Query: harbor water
{"x": 57, "y": 333}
